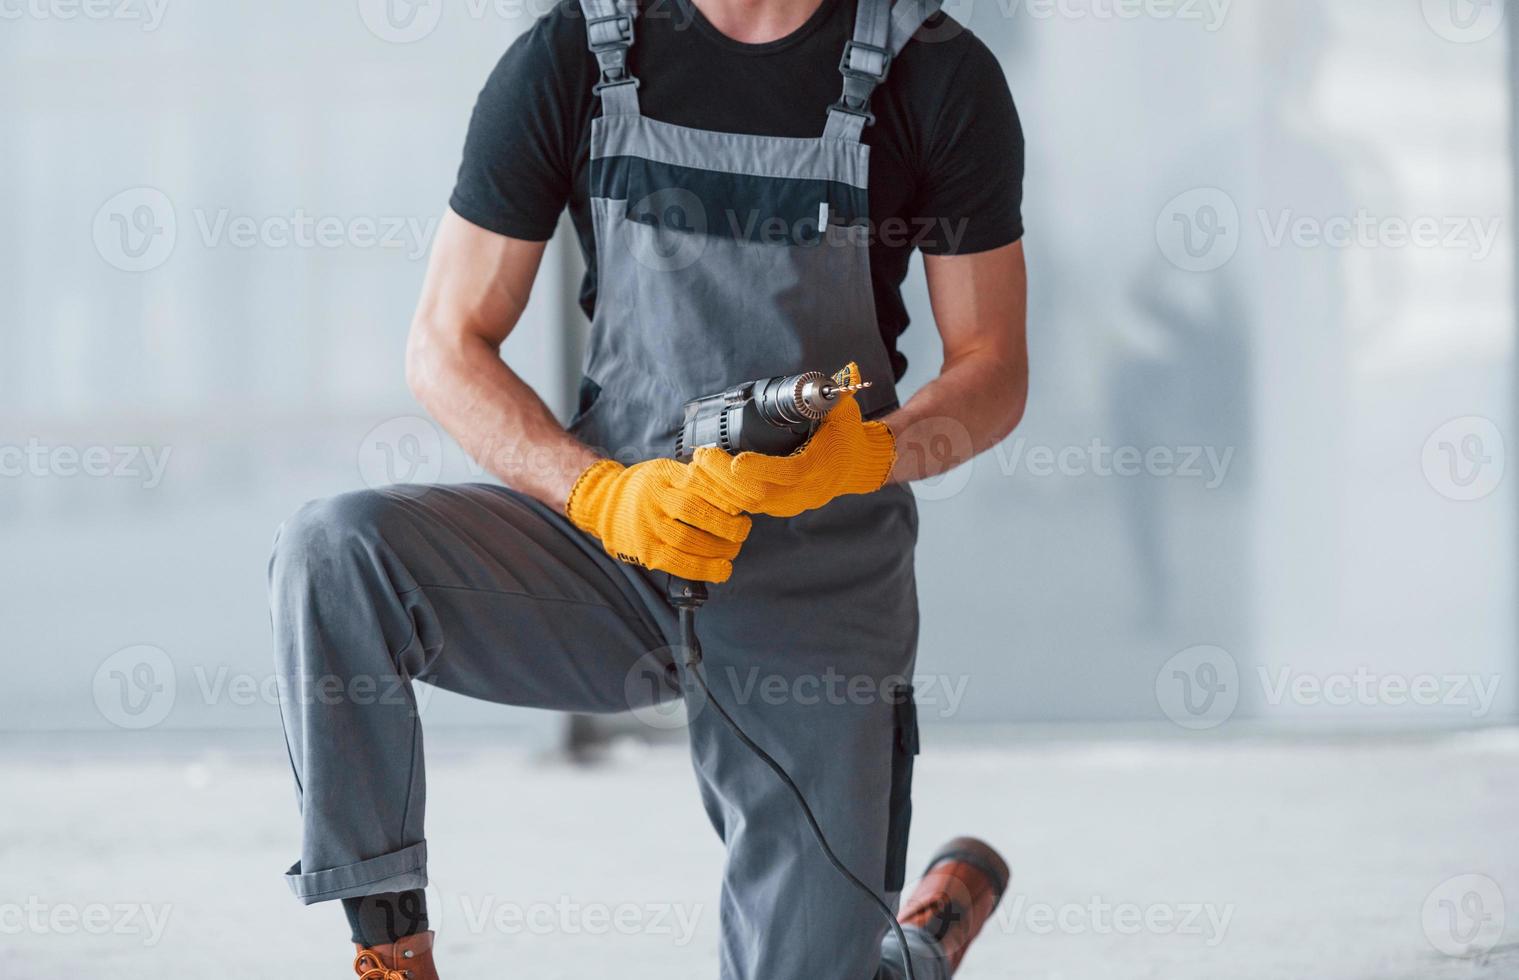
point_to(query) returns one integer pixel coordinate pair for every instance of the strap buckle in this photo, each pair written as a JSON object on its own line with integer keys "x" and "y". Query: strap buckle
{"x": 623, "y": 38}
{"x": 846, "y": 62}
{"x": 863, "y": 111}
{"x": 610, "y": 38}
{"x": 606, "y": 83}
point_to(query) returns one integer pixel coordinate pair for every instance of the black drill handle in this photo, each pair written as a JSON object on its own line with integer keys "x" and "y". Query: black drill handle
{"x": 687, "y": 597}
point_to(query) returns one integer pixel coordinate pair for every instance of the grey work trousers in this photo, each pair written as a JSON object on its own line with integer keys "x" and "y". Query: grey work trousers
{"x": 483, "y": 591}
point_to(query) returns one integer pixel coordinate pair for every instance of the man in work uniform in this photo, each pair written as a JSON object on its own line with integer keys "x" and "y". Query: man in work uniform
{"x": 742, "y": 218}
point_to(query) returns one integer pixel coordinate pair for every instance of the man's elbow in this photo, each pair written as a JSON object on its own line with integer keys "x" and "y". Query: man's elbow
{"x": 1014, "y": 381}
{"x": 423, "y": 363}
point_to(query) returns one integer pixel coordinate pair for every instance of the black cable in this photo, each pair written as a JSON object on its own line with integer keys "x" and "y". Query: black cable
{"x": 693, "y": 668}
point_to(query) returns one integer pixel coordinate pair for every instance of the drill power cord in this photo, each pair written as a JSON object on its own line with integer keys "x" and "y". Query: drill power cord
{"x": 687, "y": 597}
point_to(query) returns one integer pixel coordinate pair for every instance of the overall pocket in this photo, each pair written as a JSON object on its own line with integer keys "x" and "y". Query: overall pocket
{"x": 743, "y": 207}
{"x": 904, "y": 748}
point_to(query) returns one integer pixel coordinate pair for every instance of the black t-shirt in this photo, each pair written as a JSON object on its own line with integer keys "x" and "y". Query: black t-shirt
{"x": 946, "y": 164}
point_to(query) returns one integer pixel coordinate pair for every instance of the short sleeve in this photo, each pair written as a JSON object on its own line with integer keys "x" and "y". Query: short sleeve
{"x": 515, "y": 178}
{"x": 972, "y": 178}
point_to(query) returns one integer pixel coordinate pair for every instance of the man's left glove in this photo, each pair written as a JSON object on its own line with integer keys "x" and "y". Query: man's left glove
{"x": 845, "y": 455}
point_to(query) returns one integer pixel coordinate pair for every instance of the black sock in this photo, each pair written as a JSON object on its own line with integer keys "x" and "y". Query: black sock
{"x": 380, "y": 919}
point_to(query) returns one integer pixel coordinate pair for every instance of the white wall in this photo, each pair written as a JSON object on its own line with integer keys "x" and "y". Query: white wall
{"x": 1333, "y": 553}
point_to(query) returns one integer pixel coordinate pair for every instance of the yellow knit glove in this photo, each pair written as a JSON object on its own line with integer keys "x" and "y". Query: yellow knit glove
{"x": 659, "y": 514}
{"x": 845, "y": 455}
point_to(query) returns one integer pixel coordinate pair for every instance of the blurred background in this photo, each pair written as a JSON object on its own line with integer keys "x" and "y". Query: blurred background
{"x": 1232, "y": 614}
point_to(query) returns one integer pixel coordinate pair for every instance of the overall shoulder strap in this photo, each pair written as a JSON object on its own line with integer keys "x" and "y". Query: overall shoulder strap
{"x": 881, "y": 30}
{"x": 609, "y": 29}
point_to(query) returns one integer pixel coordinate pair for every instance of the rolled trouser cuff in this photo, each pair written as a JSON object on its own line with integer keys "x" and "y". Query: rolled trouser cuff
{"x": 928, "y": 959}
{"x": 397, "y": 871}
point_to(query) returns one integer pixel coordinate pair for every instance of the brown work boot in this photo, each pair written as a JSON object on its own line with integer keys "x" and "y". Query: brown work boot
{"x": 962, "y": 885}
{"x": 405, "y": 959}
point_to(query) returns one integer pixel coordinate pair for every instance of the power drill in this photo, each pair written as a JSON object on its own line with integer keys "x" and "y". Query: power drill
{"x": 775, "y": 416}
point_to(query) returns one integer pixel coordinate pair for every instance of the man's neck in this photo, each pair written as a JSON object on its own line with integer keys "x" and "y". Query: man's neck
{"x": 757, "y": 21}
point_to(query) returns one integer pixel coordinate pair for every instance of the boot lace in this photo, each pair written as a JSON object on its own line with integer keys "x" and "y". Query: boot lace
{"x": 368, "y": 966}
{"x": 938, "y": 914}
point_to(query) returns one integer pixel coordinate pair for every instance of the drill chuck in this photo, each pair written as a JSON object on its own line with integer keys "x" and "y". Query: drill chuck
{"x": 772, "y": 415}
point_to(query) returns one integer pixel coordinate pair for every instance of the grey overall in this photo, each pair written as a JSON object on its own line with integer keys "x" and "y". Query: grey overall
{"x": 721, "y": 258}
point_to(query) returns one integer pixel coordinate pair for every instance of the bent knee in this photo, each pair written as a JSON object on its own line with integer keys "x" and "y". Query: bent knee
{"x": 325, "y": 532}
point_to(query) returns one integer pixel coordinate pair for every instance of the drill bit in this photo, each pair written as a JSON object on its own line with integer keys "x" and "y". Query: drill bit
{"x": 834, "y": 391}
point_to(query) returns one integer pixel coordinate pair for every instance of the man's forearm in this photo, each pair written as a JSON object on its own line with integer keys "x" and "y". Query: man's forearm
{"x": 496, "y": 417}
{"x": 972, "y": 405}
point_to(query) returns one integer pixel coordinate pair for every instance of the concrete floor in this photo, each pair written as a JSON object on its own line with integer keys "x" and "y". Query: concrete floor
{"x": 1135, "y": 858}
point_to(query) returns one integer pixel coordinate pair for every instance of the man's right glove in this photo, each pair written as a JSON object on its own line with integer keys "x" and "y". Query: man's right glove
{"x": 659, "y": 514}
